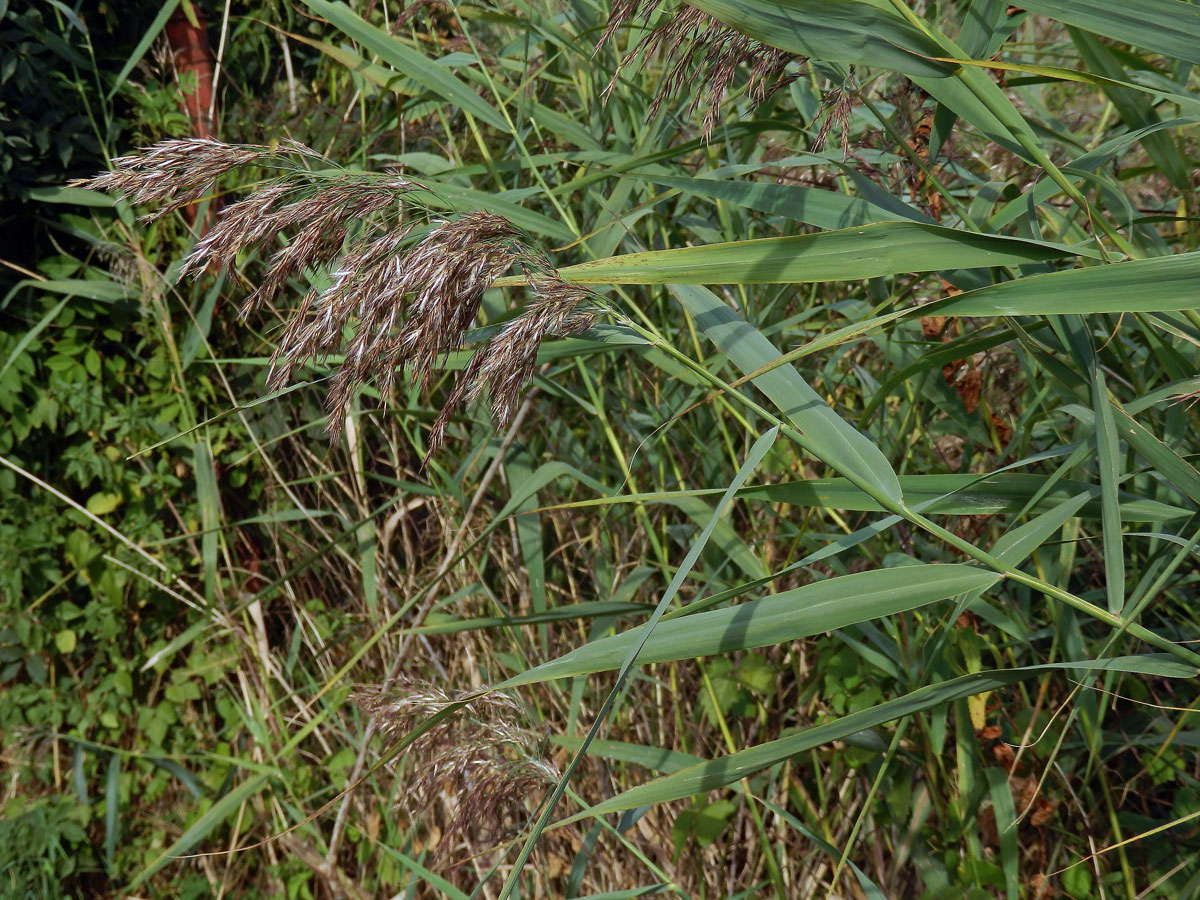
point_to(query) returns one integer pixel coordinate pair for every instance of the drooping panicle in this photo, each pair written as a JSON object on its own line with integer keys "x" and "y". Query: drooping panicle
{"x": 402, "y": 289}
{"x": 700, "y": 54}
{"x": 251, "y": 220}
{"x": 363, "y": 284}
{"x": 504, "y": 365}
{"x": 443, "y": 275}
{"x": 176, "y": 173}
{"x": 324, "y": 218}
{"x": 172, "y": 174}
{"x": 482, "y": 759}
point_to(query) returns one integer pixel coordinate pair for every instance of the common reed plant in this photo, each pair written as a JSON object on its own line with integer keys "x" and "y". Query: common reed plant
{"x": 853, "y": 555}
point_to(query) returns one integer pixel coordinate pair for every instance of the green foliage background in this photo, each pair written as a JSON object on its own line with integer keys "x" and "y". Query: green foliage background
{"x": 937, "y": 565}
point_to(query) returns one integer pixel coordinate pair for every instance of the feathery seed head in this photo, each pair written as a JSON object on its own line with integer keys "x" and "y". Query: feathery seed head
{"x": 443, "y": 276}
{"x": 836, "y": 107}
{"x": 698, "y": 49}
{"x": 323, "y": 218}
{"x": 504, "y": 365}
{"x": 173, "y": 173}
{"x": 482, "y": 759}
{"x": 410, "y": 289}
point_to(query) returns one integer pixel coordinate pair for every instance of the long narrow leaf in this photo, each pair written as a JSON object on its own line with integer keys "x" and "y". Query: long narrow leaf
{"x": 410, "y": 62}
{"x": 1109, "y": 460}
{"x": 725, "y": 770}
{"x": 838, "y": 443}
{"x": 851, "y": 254}
{"x": 200, "y": 829}
{"x": 1145, "y": 285}
{"x": 1170, "y": 27}
{"x": 812, "y": 609}
{"x": 953, "y": 495}
{"x": 847, "y": 31}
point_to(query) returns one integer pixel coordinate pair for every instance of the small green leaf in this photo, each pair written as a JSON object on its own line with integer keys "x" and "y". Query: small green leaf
{"x": 1077, "y": 881}
{"x": 35, "y": 669}
{"x": 711, "y": 821}
{"x": 65, "y": 641}
{"x": 102, "y": 503}
{"x": 756, "y": 673}
{"x": 91, "y": 362}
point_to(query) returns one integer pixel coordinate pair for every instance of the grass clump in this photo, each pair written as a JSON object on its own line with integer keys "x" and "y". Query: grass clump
{"x": 833, "y": 532}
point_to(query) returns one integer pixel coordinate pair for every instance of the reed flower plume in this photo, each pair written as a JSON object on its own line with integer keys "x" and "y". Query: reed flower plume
{"x": 836, "y": 107}
{"x": 481, "y": 762}
{"x": 403, "y": 287}
{"x": 321, "y": 220}
{"x": 176, "y": 173}
{"x": 505, "y": 364}
{"x": 698, "y": 50}
{"x": 444, "y": 275}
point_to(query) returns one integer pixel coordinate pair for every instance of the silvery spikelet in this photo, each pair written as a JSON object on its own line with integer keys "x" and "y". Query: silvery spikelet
{"x": 505, "y": 364}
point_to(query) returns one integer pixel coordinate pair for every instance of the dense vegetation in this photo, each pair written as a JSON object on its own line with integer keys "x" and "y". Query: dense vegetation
{"x": 843, "y": 543}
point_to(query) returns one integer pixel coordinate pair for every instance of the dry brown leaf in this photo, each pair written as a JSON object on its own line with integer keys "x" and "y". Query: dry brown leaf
{"x": 970, "y": 389}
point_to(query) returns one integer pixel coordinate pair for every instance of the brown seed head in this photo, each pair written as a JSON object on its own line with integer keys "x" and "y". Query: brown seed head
{"x": 324, "y": 218}
{"x": 700, "y": 54}
{"x": 837, "y": 106}
{"x": 173, "y": 174}
{"x": 411, "y": 296}
{"x": 443, "y": 276}
{"x": 504, "y": 365}
{"x": 482, "y": 758}
{"x": 363, "y": 284}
